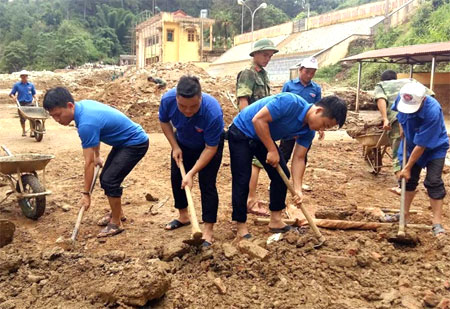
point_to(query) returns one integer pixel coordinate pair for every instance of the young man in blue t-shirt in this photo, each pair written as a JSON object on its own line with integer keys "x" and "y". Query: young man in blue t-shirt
{"x": 198, "y": 144}
{"x": 422, "y": 121}
{"x": 97, "y": 122}
{"x": 25, "y": 94}
{"x": 254, "y": 132}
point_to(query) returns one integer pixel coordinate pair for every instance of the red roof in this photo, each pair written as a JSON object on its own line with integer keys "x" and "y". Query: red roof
{"x": 412, "y": 54}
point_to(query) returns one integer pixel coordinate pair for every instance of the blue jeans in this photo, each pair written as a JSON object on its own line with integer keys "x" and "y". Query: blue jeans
{"x": 242, "y": 150}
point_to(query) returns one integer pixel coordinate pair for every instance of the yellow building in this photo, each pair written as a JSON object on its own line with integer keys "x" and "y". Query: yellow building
{"x": 172, "y": 37}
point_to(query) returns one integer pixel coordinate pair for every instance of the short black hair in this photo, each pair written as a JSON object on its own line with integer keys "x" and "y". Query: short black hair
{"x": 57, "y": 97}
{"x": 388, "y": 75}
{"x": 334, "y": 108}
{"x": 189, "y": 86}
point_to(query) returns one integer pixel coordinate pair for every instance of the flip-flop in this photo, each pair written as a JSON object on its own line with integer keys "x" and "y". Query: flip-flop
{"x": 206, "y": 244}
{"x": 105, "y": 220}
{"x": 247, "y": 236}
{"x": 175, "y": 224}
{"x": 437, "y": 230}
{"x": 110, "y": 230}
{"x": 283, "y": 230}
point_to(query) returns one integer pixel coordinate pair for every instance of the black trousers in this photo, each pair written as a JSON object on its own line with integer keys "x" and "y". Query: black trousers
{"x": 433, "y": 180}
{"x": 120, "y": 162}
{"x": 286, "y": 148}
{"x": 242, "y": 150}
{"x": 206, "y": 178}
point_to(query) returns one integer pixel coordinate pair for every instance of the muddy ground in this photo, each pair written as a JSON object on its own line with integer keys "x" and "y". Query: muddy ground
{"x": 355, "y": 269}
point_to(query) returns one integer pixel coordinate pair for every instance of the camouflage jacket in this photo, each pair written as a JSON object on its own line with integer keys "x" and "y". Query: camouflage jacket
{"x": 252, "y": 84}
{"x": 389, "y": 90}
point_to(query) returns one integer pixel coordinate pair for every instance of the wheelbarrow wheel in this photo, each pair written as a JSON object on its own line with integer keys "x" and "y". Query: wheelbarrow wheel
{"x": 34, "y": 207}
{"x": 38, "y": 127}
{"x": 375, "y": 159}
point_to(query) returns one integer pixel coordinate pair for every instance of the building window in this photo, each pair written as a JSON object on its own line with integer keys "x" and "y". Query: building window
{"x": 170, "y": 36}
{"x": 191, "y": 36}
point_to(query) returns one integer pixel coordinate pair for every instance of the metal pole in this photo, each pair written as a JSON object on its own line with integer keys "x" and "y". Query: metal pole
{"x": 411, "y": 70}
{"x": 433, "y": 69}
{"x": 307, "y": 17}
{"x": 358, "y": 87}
{"x": 253, "y": 39}
{"x": 242, "y": 19}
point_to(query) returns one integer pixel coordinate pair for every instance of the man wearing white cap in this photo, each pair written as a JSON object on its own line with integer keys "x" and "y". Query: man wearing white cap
{"x": 25, "y": 94}
{"x": 308, "y": 90}
{"x": 422, "y": 121}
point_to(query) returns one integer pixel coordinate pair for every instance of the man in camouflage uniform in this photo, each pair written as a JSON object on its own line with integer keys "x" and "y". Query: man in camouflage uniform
{"x": 159, "y": 81}
{"x": 252, "y": 85}
{"x": 385, "y": 94}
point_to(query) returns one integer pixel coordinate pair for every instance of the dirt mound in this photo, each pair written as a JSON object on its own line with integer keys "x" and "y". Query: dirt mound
{"x": 139, "y": 99}
{"x": 348, "y": 94}
{"x": 357, "y": 125}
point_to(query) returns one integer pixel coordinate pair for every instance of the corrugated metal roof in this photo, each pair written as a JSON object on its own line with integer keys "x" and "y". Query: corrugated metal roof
{"x": 412, "y": 54}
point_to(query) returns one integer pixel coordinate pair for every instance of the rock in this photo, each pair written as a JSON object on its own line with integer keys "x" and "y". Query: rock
{"x": 220, "y": 286}
{"x": 134, "y": 289}
{"x": 337, "y": 260}
{"x": 291, "y": 237}
{"x": 229, "y": 250}
{"x": 362, "y": 260}
{"x": 160, "y": 265}
{"x": 404, "y": 282}
{"x": 9, "y": 304}
{"x": 410, "y": 302}
{"x": 253, "y": 250}
{"x": 116, "y": 255}
{"x": 34, "y": 278}
{"x": 390, "y": 296}
{"x": 7, "y": 229}
{"x": 9, "y": 263}
{"x": 427, "y": 266}
{"x": 149, "y": 197}
{"x": 352, "y": 249}
{"x": 444, "y": 304}
{"x": 430, "y": 299}
{"x": 101, "y": 240}
{"x": 447, "y": 285}
{"x": 52, "y": 254}
{"x": 174, "y": 249}
{"x": 65, "y": 243}
{"x": 376, "y": 256}
{"x": 66, "y": 208}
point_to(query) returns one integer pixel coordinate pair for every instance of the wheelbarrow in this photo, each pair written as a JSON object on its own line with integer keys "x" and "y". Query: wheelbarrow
{"x": 37, "y": 116}
{"x": 20, "y": 172}
{"x": 374, "y": 148}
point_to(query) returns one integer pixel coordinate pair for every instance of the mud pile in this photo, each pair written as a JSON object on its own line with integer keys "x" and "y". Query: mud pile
{"x": 356, "y": 125}
{"x": 348, "y": 94}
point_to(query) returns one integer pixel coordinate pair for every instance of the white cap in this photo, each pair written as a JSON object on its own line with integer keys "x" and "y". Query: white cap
{"x": 309, "y": 63}
{"x": 411, "y": 97}
{"x": 24, "y": 72}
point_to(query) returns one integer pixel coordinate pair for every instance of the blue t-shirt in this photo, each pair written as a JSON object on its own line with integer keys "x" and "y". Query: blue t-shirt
{"x": 424, "y": 128}
{"x": 97, "y": 122}
{"x": 288, "y": 112}
{"x": 205, "y": 127}
{"x": 311, "y": 92}
{"x": 26, "y": 91}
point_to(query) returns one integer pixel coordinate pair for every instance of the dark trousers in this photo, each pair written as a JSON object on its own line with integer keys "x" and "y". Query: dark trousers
{"x": 120, "y": 162}
{"x": 242, "y": 150}
{"x": 206, "y": 178}
{"x": 433, "y": 180}
{"x": 286, "y": 148}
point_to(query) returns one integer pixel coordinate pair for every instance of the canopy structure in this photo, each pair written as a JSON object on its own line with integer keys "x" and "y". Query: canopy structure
{"x": 412, "y": 55}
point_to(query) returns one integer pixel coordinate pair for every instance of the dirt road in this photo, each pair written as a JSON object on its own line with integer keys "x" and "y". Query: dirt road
{"x": 354, "y": 270}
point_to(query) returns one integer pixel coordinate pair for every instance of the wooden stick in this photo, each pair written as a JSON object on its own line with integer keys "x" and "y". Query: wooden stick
{"x": 196, "y": 231}
{"x": 81, "y": 212}
{"x": 343, "y": 224}
{"x": 303, "y": 209}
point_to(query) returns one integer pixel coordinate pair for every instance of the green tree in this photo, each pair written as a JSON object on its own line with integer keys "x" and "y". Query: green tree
{"x": 15, "y": 57}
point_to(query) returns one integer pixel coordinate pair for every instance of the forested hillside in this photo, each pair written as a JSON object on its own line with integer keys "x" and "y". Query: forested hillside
{"x": 50, "y": 34}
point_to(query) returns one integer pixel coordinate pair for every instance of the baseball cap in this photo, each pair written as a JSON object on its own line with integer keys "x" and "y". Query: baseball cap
{"x": 24, "y": 72}
{"x": 411, "y": 97}
{"x": 309, "y": 63}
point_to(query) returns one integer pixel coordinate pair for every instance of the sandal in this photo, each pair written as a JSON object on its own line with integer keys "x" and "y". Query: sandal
{"x": 206, "y": 244}
{"x": 283, "y": 230}
{"x": 105, "y": 220}
{"x": 175, "y": 224}
{"x": 110, "y": 230}
{"x": 437, "y": 230}
{"x": 255, "y": 209}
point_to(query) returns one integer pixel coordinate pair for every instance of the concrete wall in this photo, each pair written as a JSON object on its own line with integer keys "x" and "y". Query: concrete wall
{"x": 441, "y": 87}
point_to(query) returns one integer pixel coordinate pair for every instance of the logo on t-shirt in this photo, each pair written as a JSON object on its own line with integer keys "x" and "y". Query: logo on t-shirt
{"x": 199, "y": 130}
{"x": 312, "y": 94}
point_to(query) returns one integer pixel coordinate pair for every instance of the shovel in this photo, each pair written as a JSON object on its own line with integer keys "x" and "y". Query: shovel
{"x": 197, "y": 235}
{"x": 402, "y": 237}
{"x": 311, "y": 222}
{"x": 81, "y": 212}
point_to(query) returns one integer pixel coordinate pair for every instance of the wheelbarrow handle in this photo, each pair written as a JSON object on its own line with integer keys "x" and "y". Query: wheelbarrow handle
{"x": 291, "y": 189}
{"x": 381, "y": 137}
{"x": 5, "y": 149}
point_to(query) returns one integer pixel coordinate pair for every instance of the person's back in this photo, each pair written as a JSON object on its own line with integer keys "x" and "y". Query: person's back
{"x": 99, "y": 122}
